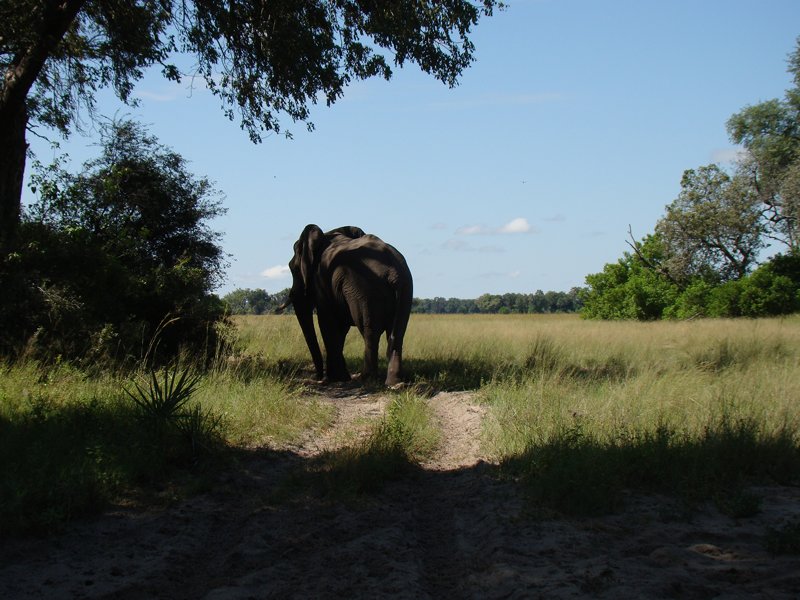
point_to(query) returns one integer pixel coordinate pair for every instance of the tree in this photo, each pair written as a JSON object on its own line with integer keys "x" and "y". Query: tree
{"x": 630, "y": 288}
{"x": 254, "y": 302}
{"x": 713, "y": 228}
{"x": 263, "y": 58}
{"x": 114, "y": 254}
{"x": 770, "y": 132}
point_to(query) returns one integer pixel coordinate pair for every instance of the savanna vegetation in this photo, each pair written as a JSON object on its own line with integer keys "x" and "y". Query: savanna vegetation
{"x": 114, "y": 372}
{"x": 260, "y": 302}
{"x": 115, "y": 264}
{"x": 728, "y": 245}
{"x": 581, "y": 413}
{"x": 122, "y": 380}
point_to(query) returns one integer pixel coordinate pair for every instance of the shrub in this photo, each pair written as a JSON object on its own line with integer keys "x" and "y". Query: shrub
{"x": 107, "y": 258}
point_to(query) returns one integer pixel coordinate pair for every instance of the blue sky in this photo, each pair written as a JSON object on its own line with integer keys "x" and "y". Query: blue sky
{"x": 577, "y": 120}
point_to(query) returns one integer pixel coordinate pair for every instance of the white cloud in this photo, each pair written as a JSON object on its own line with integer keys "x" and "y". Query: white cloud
{"x": 518, "y": 225}
{"x": 728, "y": 155}
{"x": 472, "y": 230}
{"x": 276, "y": 272}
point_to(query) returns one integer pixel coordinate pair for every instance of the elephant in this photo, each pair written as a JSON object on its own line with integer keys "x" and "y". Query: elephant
{"x": 350, "y": 278}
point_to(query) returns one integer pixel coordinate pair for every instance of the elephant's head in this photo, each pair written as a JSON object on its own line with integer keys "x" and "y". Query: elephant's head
{"x": 303, "y": 265}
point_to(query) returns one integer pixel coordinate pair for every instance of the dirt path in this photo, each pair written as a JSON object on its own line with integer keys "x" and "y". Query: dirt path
{"x": 452, "y": 530}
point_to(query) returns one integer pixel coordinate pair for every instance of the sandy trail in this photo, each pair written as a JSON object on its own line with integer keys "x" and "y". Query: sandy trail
{"x": 451, "y": 530}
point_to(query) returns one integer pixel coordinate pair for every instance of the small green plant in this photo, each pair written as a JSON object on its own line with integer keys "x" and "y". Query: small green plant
{"x": 162, "y": 406}
{"x": 200, "y": 427}
{"x": 164, "y": 400}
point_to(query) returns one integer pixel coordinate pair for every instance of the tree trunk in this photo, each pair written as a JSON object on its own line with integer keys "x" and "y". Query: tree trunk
{"x": 13, "y": 121}
{"x": 18, "y": 79}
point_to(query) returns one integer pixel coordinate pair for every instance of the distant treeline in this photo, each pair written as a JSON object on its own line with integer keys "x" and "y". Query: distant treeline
{"x": 538, "y": 302}
{"x": 254, "y": 302}
{"x": 259, "y": 302}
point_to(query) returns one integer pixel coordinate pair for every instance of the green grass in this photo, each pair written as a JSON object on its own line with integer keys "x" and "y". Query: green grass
{"x": 698, "y": 410}
{"x": 70, "y": 444}
{"x": 583, "y": 412}
{"x": 394, "y": 446}
{"x": 579, "y": 412}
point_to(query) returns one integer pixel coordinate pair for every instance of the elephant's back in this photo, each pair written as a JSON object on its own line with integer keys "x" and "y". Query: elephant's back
{"x": 371, "y": 257}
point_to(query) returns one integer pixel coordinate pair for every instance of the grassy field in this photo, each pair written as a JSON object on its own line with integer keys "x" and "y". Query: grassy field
{"x": 582, "y": 411}
{"x": 578, "y": 411}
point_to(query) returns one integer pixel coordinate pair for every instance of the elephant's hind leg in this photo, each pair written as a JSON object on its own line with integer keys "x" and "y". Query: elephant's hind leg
{"x": 371, "y": 343}
{"x": 394, "y": 373}
{"x": 334, "y": 335}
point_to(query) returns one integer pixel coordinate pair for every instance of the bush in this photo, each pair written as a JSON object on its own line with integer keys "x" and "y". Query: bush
{"x": 771, "y": 289}
{"x": 115, "y": 257}
{"x": 629, "y": 288}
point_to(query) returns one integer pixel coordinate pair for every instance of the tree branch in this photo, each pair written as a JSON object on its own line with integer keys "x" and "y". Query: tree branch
{"x": 25, "y": 68}
{"x": 657, "y": 269}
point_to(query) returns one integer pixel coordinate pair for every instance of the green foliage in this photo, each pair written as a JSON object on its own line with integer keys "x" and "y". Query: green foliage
{"x": 261, "y": 59}
{"x": 254, "y": 302}
{"x": 769, "y": 292}
{"x": 163, "y": 402}
{"x": 713, "y": 227}
{"x": 538, "y": 302}
{"x": 258, "y": 302}
{"x": 162, "y": 405}
{"x": 770, "y": 132}
{"x": 711, "y": 235}
{"x": 114, "y": 256}
{"x": 772, "y": 289}
{"x": 633, "y": 289}
{"x": 630, "y": 288}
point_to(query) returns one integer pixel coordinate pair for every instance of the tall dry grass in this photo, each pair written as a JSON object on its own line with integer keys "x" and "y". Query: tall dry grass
{"x": 579, "y": 410}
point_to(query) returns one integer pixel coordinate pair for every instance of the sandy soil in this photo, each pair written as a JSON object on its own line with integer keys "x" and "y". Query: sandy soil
{"x": 450, "y": 531}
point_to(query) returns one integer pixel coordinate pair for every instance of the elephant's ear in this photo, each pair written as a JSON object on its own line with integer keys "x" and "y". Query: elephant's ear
{"x": 312, "y": 243}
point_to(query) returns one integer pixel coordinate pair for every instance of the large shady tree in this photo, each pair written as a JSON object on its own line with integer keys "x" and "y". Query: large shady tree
{"x": 770, "y": 132}
{"x": 265, "y": 59}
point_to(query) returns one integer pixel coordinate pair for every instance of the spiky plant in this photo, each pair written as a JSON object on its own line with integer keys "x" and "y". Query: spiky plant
{"x": 163, "y": 399}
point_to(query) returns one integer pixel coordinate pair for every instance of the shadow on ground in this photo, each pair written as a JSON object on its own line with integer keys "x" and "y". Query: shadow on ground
{"x": 264, "y": 530}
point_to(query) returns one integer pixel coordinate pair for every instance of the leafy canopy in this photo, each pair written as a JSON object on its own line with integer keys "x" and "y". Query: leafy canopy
{"x": 770, "y": 132}
{"x": 714, "y": 228}
{"x": 116, "y": 256}
{"x": 262, "y": 58}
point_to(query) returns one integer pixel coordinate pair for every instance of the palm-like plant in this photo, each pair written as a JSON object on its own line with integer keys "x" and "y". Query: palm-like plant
{"x": 163, "y": 399}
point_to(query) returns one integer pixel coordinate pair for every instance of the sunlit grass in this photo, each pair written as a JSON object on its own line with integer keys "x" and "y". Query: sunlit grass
{"x": 573, "y": 407}
{"x": 396, "y": 443}
{"x": 70, "y": 443}
{"x": 264, "y": 411}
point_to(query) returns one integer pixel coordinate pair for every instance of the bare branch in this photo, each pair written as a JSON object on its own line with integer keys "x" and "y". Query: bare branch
{"x": 655, "y": 268}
